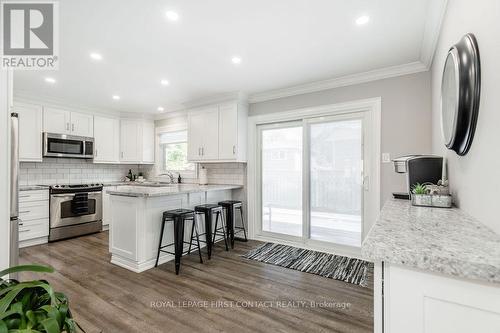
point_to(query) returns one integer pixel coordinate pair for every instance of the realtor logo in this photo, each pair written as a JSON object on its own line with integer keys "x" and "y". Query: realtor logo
{"x": 30, "y": 34}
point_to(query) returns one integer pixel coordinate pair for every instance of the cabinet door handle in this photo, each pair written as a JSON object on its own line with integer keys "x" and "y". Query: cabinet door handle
{"x": 234, "y": 149}
{"x": 202, "y": 151}
{"x": 24, "y": 211}
{"x": 24, "y": 196}
{"x": 199, "y": 151}
{"x": 96, "y": 153}
{"x": 122, "y": 154}
{"x": 25, "y": 230}
{"x": 67, "y": 126}
{"x": 72, "y": 127}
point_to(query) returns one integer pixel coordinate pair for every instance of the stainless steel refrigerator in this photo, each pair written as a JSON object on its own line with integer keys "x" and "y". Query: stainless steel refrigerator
{"x": 14, "y": 190}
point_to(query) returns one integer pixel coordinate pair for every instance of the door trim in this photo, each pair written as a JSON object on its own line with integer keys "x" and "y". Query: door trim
{"x": 372, "y": 110}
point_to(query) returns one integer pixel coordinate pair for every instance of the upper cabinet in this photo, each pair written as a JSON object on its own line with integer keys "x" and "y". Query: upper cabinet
{"x": 82, "y": 124}
{"x": 30, "y": 132}
{"x": 217, "y": 133}
{"x": 106, "y": 140}
{"x": 137, "y": 141}
{"x": 66, "y": 122}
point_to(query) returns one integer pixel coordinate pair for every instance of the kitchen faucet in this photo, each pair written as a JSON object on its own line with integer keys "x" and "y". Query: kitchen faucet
{"x": 170, "y": 175}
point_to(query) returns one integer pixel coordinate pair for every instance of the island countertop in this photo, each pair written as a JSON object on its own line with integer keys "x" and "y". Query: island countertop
{"x": 158, "y": 191}
{"x": 439, "y": 240}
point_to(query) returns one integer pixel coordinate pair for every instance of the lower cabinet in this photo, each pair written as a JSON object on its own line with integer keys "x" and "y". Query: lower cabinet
{"x": 33, "y": 217}
{"x": 106, "y": 207}
{"x": 416, "y": 301}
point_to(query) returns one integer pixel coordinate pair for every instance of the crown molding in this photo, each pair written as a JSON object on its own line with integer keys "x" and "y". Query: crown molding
{"x": 348, "y": 80}
{"x": 435, "y": 16}
{"x": 214, "y": 99}
{"x": 23, "y": 97}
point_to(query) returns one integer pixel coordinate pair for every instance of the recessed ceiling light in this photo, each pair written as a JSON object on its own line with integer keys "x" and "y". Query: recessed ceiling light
{"x": 172, "y": 16}
{"x": 362, "y": 19}
{"x": 164, "y": 82}
{"x": 236, "y": 60}
{"x": 95, "y": 56}
{"x": 160, "y": 108}
{"x": 116, "y": 97}
{"x": 50, "y": 80}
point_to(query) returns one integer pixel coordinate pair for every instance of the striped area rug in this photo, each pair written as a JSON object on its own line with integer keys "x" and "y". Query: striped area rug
{"x": 355, "y": 271}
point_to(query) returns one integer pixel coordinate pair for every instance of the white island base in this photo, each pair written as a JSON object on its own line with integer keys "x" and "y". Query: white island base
{"x": 136, "y": 225}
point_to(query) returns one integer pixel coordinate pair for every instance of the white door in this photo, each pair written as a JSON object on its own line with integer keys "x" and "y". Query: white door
{"x": 311, "y": 180}
{"x": 196, "y": 127}
{"x": 82, "y": 124}
{"x": 130, "y": 141}
{"x": 210, "y": 144}
{"x": 228, "y": 131}
{"x": 30, "y": 132}
{"x": 56, "y": 121}
{"x": 148, "y": 142}
{"x": 106, "y": 140}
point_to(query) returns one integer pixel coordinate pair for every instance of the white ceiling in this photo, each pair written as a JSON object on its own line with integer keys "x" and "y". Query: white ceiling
{"x": 281, "y": 43}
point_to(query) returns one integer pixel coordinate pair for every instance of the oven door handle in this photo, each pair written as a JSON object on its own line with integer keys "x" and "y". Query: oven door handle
{"x": 91, "y": 194}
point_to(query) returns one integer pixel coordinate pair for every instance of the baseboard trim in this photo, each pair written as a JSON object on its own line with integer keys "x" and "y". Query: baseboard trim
{"x": 33, "y": 242}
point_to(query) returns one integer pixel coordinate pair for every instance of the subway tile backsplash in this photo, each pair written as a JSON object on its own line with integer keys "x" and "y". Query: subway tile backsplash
{"x": 78, "y": 171}
{"x": 226, "y": 173}
{"x": 74, "y": 171}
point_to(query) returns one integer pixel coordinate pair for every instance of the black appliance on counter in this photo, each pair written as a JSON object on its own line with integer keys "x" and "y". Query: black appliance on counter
{"x": 418, "y": 169}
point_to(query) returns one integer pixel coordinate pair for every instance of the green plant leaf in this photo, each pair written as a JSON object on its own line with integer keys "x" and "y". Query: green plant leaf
{"x": 3, "y": 327}
{"x": 50, "y": 325}
{"x": 12, "y": 294}
{"x": 27, "y": 268}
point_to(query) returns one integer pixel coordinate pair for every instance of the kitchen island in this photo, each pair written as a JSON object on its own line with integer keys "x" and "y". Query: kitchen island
{"x": 136, "y": 214}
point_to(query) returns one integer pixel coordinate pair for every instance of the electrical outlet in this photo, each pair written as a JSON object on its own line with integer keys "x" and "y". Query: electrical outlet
{"x": 386, "y": 158}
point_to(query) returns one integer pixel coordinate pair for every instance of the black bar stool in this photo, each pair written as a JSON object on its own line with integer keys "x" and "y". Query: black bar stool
{"x": 230, "y": 206}
{"x": 208, "y": 210}
{"x": 179, "y": 217}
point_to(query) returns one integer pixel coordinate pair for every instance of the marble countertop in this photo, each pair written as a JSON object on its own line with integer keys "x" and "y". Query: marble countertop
{"x": 147, "y": 191}
{"x": 33, "y": 187}
{"x": 439, "y": 240}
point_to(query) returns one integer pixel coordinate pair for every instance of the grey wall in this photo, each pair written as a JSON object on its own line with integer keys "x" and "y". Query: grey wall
{"x": 474, "y": 178}
{"x": 406, "y": 116}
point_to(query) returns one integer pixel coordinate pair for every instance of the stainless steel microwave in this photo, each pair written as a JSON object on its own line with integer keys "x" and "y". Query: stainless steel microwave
{"x": 63, "y": 145}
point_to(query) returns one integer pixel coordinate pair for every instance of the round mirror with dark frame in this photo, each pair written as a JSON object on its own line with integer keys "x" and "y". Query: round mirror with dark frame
{"x": 460, "y": 93}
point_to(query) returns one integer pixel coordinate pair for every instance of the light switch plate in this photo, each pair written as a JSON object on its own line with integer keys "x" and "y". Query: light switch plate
{"x": 386, "y": 158}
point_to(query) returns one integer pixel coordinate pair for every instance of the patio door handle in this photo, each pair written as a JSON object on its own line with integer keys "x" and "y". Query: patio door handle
{"x": 366, "y": 183}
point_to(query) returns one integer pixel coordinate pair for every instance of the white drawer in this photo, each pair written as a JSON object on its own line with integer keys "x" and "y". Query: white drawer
{"x": 33, "y": 210}
{"x": 33, "y": 229}
{"x": 36, "y": 195}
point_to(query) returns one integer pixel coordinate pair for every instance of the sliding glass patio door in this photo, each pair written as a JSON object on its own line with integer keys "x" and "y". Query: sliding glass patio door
{"x": 335, "y": 180}
{"x": 281, "y": 174}
{"x": 311, "y": 174}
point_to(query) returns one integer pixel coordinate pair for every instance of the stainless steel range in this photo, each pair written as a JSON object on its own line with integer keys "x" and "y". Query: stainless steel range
{"x": 75, "y": 210}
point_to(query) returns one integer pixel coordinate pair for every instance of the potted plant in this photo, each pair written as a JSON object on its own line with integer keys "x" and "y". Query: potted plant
{"x": 420, "y": 195}
{"x": 33, "y": 306}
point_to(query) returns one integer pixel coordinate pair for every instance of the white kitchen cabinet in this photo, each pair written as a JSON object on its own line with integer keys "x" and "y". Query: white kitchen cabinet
{"x": 217, "y": 133}
{"x": 195, "y": 136}
{"x": 30, "y": 132}
{"x": 136, "y": 141}
{"x": 106, "y": 140}
{"x": 66, "y": 122}
{"x": 148, "y": 142}
{"x": 417, "y": 301}
{"x": 33, "y": 217}
{"x": 82, "y": 124}
{"x": 56, "y": 121}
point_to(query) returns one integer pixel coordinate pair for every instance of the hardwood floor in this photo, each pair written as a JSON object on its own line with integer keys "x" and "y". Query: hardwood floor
{"x": 252, "y": 296}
